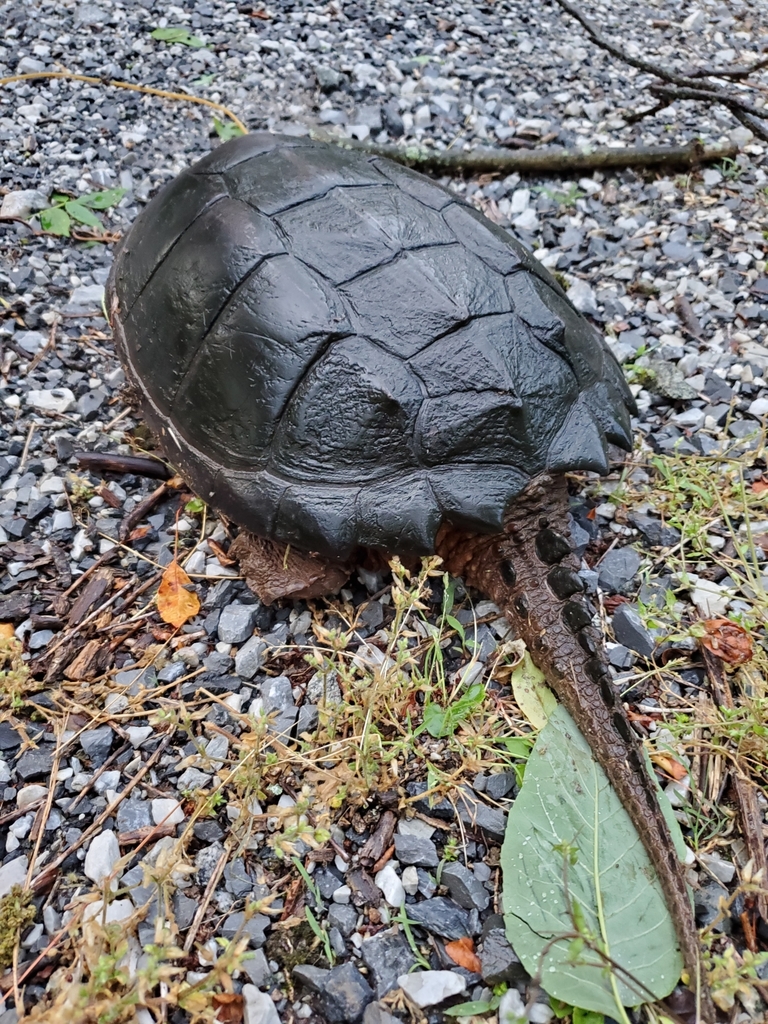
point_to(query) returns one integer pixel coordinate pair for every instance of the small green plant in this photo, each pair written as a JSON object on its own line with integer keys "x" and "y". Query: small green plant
{"x": 58, "y": 217}
{"x": 577, "y": 1015}
{"x": 194, "y": 507}
{"x": 733, "y": 976}
{"x": 226, "y": 130}
{"x": 560, "y": 197}
{"x": 478, "y": 1007}
{"x": 322, "y": 934}
{"x": 177, "y": 34}
{"x": 730, "y": 169}
{"x": 440, "y": 722}
{"x": 401, "y": 917}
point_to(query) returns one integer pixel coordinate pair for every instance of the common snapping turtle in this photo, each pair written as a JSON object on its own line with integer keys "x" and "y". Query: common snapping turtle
{"x": 339, "y": 354}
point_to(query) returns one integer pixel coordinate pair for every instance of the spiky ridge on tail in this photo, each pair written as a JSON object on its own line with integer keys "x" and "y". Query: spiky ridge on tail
{"x": 531, "y": 572}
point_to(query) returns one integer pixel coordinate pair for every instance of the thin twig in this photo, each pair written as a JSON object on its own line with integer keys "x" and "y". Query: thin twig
{"x": 163, "y": 93}
{"x": 207, "y": 896}
{"x": 97, "y": 775}
{"x": 688, "y": 87}
{"x": 40, "y": 882}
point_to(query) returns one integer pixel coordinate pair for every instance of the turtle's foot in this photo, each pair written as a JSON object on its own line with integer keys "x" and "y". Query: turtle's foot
{"x": 273, "y": 570}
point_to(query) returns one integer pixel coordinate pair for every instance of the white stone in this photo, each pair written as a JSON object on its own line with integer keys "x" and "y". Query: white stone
{"x": 167, "y": 811}
{"x": 606, "y": 510}
{"x": 57, "y": 400}
{"x": 759, "y": 407}
{"x": 691, "y": 418}
{"x": 195, "y": 564}
{"x": 527, "y": 220}
{"x": 81, "y": 545}
{"x": 723, "y": 870}
{"x": 391, "y": 887}
{"x": 23, "y": 203}
{"x": 138, "y": 734}
{"x": 520, "y": 201}
{"x": 62, "y": 520}
{"x": 115, "y": 703}
{"x": 694, "y": 22}
{"x": 28, "y": 65}
{"x": 411, "y": 880}
{"x": 512, "y": 1008}
{"x": 258, "y": 1007}
{"x": 53, "y": 485}
{"x": 90, "y": 295}
{"x": 581, "y": 295}
{"x": 13, "y": 873}
{"x": 422, "y": 116}
{"x": 740, "y": 136}
{"x": 710, "y": 600}
{"x": 429, "y": 988}
{"x": 595, "y": 110}
{"x": 29, "y": 795}
{"x": 102, "y": 857}
{"x": 20, "y": 828}
{"x": 342, "y": 895}
{"x": 107, "y": 781}
{"x": 117, "y": 910}
{"x": 539, "y": 1013}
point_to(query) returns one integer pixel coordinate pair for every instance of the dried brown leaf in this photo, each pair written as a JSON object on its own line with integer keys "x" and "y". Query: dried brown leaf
{"x": 229, "y": 1007}
{"x": 174, "y": 603}
{"x": 727, "y": 640}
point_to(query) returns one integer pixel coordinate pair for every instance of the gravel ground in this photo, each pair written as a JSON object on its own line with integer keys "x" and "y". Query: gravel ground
{"x": 671, "y": 268}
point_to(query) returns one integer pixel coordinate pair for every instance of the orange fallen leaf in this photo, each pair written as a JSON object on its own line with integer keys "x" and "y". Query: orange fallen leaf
{"x": 6, "y": 630}
{"x": 229, "y": 1007}
{"x": 727, "y": 640}
{"x": 670, "y": 766}
{"x": 759, "y": 486}
{"x": 462, "y": 952}
{"x": 175, "y": 604}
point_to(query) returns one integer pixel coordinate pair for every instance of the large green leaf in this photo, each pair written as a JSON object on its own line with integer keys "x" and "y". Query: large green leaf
{"x": 55, "y": 220}
{"x": 574, "y": 863}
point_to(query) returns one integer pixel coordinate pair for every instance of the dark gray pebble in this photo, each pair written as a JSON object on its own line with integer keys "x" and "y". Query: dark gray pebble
{"x": 629, "y": 630}
{"x": 97, "y": 743}
{"x": 618, "y": 569}
{"x": 345, "y": 995}
{"x": 440, "y": 916}
{"x": 416, "y": 850}
{"x": 464, "y": 888}
{"x": 387, "y": 956}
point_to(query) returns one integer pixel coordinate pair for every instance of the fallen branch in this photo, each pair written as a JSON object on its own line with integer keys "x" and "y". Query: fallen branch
{"x": 690, "y": 86}
{"x": 549, "y": 160}
{"x": 107, "y": 462}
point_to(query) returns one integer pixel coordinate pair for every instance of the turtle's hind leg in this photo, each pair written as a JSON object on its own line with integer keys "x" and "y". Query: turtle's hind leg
{"x": 273, "y": 570}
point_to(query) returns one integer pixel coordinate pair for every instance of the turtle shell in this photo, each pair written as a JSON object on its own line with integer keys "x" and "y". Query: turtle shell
{"x": 337, "y": 352}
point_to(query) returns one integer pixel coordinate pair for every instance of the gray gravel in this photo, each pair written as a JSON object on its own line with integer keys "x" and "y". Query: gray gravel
{"x": 628, "y": 248}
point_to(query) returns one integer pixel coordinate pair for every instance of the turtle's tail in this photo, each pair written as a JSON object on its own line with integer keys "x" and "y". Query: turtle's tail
{"x": 531, "y": 572}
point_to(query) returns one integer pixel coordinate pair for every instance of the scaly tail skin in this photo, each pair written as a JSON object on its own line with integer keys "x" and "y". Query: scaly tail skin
{"x": 531, "y": 573}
